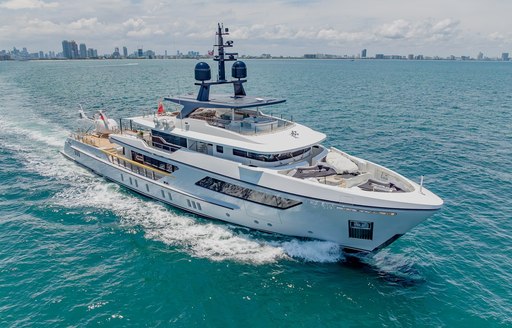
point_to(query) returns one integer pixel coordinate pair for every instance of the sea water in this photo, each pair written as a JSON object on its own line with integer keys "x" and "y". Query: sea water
{"x": 77, "y": 250}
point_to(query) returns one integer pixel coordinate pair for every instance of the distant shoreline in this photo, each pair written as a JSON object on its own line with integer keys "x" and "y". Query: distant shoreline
{"x": 268, "y": 58}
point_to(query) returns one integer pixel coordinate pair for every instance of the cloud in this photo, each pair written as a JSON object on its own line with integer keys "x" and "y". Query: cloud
{"x": 398, "y": 29}
{"x": 287, "y": 27}
{"x": 41, "y": 27}
{"x": 85, "y": 23}
{"x": 137, "y": 27}
{"x": 427, "y": 30}
{"x": 28, "y": 4}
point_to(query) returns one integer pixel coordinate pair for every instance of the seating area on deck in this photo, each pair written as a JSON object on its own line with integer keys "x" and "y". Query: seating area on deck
{"x": 240, "y": 120}
{"x": 338, "y": 170}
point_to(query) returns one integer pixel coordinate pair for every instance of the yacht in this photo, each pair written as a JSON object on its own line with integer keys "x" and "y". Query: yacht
{"x": 221, "y": 156}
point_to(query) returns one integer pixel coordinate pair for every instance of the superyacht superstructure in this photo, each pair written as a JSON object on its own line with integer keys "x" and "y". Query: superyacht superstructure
{"x": 222, "y": 157}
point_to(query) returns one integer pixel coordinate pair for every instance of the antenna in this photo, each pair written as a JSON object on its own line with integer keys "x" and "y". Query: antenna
{"x": 238, "y": 71}
{"x": 221, "y": 57}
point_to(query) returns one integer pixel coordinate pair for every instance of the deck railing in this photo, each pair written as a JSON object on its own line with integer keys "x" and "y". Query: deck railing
{"x": 135, "y": 167}
{"x": 247, "y": 126}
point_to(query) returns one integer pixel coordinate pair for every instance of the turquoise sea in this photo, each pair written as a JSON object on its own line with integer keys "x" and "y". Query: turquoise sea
{"x": 77, "y": 250}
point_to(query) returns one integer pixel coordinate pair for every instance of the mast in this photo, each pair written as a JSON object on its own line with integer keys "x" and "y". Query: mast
{"x": 221, "y": 57}
{"x": 238, "y": 71}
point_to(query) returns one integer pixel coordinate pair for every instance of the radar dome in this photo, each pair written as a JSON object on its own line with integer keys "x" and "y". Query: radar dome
{"x": 202, "y": 72}
{"x": 239, "y": 70}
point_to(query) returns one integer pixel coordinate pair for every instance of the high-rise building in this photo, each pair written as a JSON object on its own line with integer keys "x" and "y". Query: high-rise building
{"x": 66, "y": 49}
{"x": 140, "y": 53}
{"x": 116, "y": 53}
{"x": 74, "y": 49}
{"x": 83, "y": 50}
{"x": 70, "y": 49}
{"x": 504, "y": 56}
{"x": 125, "y": 52}
{"x": 480, "y": 56}
{"x": 363, "y": 53}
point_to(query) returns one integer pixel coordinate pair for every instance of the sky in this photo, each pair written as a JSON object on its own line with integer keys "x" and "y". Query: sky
{"x": 277, "y": 27}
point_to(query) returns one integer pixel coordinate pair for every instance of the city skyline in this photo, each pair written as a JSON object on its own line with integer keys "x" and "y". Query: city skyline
{"x": 436, "y": 28}
{"x": 72, "y": 50}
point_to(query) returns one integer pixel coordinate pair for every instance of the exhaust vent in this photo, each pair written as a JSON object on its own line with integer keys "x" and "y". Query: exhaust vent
{"x": 360, "y": 230}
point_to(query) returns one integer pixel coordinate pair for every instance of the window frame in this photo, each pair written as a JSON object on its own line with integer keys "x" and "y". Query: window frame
{"x": 248, "y": 194}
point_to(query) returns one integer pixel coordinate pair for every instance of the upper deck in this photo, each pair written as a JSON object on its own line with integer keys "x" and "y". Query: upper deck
{"x": 232, "y": 120}
{"x": 190, "y": 103}
{"x": 241, "y": 128}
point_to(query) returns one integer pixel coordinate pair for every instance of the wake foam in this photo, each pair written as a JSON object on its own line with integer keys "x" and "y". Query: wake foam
{"x": 217, "y": 242}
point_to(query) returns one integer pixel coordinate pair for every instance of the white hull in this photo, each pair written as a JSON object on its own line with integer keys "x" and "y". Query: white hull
{"x": 355, "y": 227}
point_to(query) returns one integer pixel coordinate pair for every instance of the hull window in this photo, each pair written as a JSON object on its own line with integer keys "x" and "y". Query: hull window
{"x": 246, "y": 193}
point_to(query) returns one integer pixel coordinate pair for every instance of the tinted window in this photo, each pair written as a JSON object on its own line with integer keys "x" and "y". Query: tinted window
{"x": 169, "y": 138}
{"x": 269, "y": 157}
{"x": 240, "y": 153}
{"x": 246, "y": 193}
{"x": 149, "y": 161}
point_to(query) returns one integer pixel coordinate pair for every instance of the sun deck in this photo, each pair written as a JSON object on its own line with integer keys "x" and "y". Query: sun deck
{"x": 243, "y": 121}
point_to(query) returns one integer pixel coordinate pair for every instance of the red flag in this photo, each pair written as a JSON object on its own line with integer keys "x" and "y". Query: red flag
{"x": 161, "y": 109}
